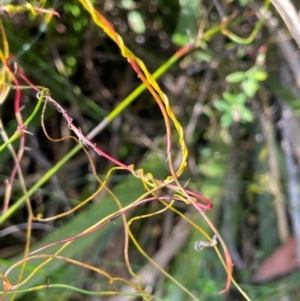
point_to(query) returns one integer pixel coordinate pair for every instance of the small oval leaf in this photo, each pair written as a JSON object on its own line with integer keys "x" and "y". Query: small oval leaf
{"x": 136, "y": 22}
{"x": 250, "y": 86}
{"x": 226, "y": 120}
{"x": 221, "y": 105}
{"x": 260, "y": 75}
{"x": 246, "y": 115}
{"x": 235, "y": 77}
{"x": 230, "y": 98}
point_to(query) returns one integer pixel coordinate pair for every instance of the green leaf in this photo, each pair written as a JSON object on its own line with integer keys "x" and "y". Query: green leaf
{"x": 226, "y": 120}
{"x": 136, "y": 22}
{"x": 180, "y": 39}
{"x": 243, "y": 3}
{"x": 236, "y": 77}
{"x": 230, "y": 98}
{"x": 241, "y": 99}
{"x": 187, "y": 20}
{"x": 260, "y": 75}
{"x": 221, "y": 105}
{"x": 246, "y": 115}
{"x": 204, "y": 56}
{"x": 250, "y": 86}
{"x": 128, "y": 4}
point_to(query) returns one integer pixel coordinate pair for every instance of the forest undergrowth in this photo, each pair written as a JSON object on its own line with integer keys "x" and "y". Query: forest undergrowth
{"x": 113, "y": 189}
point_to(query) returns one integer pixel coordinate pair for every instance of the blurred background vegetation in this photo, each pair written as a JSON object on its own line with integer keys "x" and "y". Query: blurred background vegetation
{"x": 238, "y": 100}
